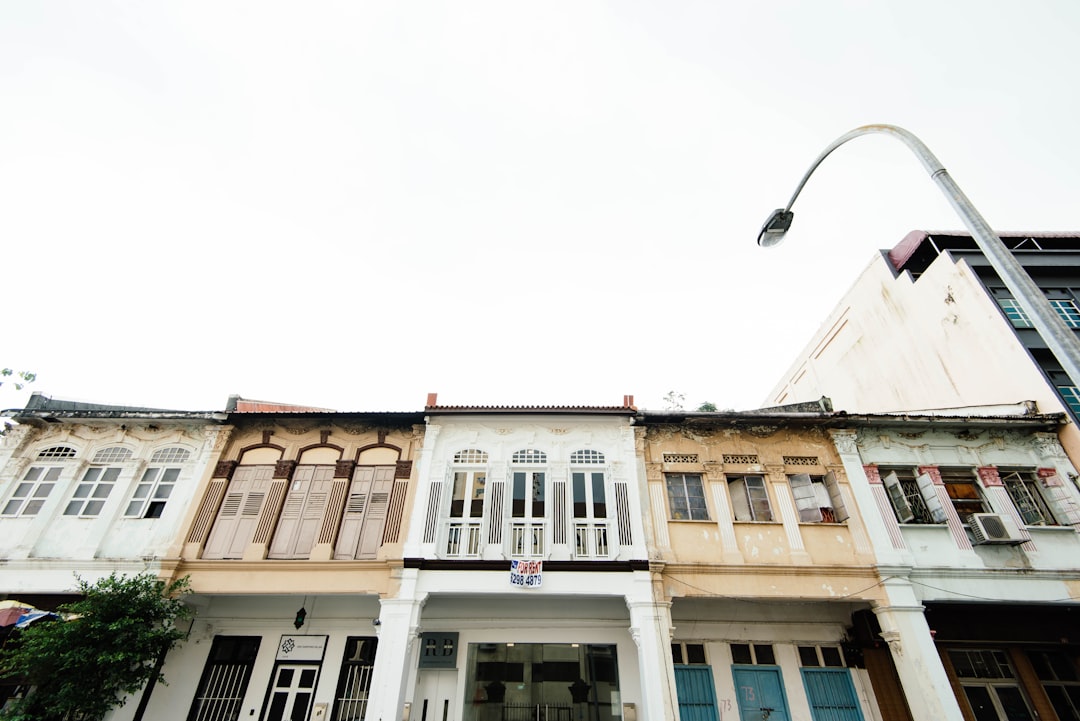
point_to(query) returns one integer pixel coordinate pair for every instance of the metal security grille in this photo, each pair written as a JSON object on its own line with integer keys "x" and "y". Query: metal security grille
{"x": 354, "y": 683}
{"x": 225, "y": 679}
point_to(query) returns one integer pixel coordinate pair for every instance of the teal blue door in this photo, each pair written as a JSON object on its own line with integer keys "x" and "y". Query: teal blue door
{"x": 760, "y": 692}
{"x": 697, "y": 695}
{"x": 831, "y": 694}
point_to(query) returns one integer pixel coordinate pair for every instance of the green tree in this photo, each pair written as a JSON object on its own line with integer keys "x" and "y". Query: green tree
{"x": 21, "y": 377}
{"x": 707, "y": 406}
{"x": 105, "y": 651}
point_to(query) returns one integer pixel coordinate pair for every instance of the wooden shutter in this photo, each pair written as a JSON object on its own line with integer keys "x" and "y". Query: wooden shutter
{"x": 930, "y": 495}
{"x": 365, "y": 512}
{"x": 375, "y": 518}
{"x": 897, "y": 498}
{"x": 302, "y": 512}
{"x": 802, "y": 488}
{"x": 239, "y": 513}
{"x": 355, "y": 506}
{"x": 837, "y": 499}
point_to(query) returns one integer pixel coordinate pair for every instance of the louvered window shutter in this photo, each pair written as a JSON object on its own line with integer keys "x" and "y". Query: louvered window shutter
{"x": 282, "y": 545}
{"x": 375, "y": 519}
{"x": 897, "y": 498}
{"x": 355, "y": 507}
{"x": 802, "y": 488}
{"x": 239, "y": 512}
{"x": 311, "y": 517}
{"x": 838, "y": 506}
{"x": 930, "y": 495}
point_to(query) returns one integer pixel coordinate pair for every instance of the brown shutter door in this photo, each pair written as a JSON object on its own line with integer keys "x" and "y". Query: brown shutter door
{"x": 886, "y": 685}
{"x": 371, "y": 535}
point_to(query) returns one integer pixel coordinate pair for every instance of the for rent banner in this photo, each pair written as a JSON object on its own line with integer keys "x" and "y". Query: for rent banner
{"x": 526, "y": 574}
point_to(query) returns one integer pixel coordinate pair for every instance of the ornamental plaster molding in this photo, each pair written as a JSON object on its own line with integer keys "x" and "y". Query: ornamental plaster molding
{"x": 1047, "y": 445}
{"x": 846, "y": 442}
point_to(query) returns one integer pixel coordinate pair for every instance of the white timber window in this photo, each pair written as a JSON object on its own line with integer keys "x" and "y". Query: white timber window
{"x": 818, "y": 498}
{"x": 31, "y": 492}
{"x": 588, "y": 489}
{"x": 686, "y": 497}
{"x": 157, "y": 483}
{"x": 528, "y": 494}
{"x": 468, "y": 485}
{"x": 749, "y": 498}
{"x": 97, "y": 483}
{"x": 914, "y": 499}
{"x": 1025, "y": 490}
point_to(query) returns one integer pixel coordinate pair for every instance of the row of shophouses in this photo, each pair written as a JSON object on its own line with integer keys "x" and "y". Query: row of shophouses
{"x": 569, "y": 563}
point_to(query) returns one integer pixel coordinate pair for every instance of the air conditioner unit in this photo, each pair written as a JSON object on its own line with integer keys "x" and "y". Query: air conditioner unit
{"x": 994, "y": 528}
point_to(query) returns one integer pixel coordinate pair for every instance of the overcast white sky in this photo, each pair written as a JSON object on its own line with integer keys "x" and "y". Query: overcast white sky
{"x": 351, "y": 204}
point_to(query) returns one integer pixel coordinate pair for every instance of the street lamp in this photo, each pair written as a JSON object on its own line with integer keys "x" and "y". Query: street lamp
{"x": 1058, "y": 337}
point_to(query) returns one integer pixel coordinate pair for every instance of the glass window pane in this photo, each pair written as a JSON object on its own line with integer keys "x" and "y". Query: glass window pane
{"x": 981, "y": 705}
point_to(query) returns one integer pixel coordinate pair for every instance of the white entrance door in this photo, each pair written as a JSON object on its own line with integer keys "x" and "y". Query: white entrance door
{"x": 435, "y": 696}
{"x": 291, "y": 692}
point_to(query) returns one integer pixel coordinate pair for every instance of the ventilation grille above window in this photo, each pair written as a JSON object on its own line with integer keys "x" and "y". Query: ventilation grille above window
{"x": 744, "y": 459}
{"x": 801, "y": 461}
{"x": 471, "y": 455}
{"x": 112, "y": 455}
{"x": 529, "y": 455}
{"x": 586, "y": 456}
{"x": 57, "y": 452}
{"x": 680, "y": 458}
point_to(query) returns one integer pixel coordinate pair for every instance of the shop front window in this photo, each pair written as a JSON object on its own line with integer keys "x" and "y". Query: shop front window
{"x": 542, "y": 682}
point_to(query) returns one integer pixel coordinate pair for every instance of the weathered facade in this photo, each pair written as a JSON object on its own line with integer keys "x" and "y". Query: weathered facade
{"x": 759, "y": 548}
{"x": 978, "y": 546}
{"x": 88, "y": 489}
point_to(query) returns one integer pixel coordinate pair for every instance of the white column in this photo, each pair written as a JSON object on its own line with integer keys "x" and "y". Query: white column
{"x": 398, "y": 627}
{"x": 926, "y": 686}
{"x": 650, "y": 627}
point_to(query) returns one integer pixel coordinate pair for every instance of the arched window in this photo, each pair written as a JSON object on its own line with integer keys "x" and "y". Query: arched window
{"x": 587, "y": 457}
{"x": 116, "y": 454}
{"x": 471, "y": 457}
{"x": 57, "y": 452}
{"x": 157, "y": 483}
{"x": 528, "y": 455}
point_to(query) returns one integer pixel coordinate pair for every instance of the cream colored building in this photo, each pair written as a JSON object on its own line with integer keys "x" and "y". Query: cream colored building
{"x": 928, "y": 325}
{"x": 293, "y": 550}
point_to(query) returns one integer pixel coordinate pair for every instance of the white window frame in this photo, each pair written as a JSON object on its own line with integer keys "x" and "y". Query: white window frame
{"x": 32, "y": 491}
{"x": 750, "y": 502}
{"x": 814, "y": 495}
{"x": 682, "y": 492}
{"x": 93, "y": 491}
{"x": 1025, "y": 492}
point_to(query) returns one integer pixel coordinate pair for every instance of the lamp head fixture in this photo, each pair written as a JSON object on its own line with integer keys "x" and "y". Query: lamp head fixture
{"x": 775, "y": 228}
{"x": 301, "y": 615}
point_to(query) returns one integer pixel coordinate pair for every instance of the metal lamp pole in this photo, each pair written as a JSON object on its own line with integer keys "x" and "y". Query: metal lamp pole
{"x": 1058, "y": 337}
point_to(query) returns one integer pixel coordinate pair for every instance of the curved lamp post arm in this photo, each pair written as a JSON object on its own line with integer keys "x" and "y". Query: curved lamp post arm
{"x": 1059, "y": 338}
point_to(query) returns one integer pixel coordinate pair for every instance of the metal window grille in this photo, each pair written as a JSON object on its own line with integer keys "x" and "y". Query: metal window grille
{"x": 354, "y": 683}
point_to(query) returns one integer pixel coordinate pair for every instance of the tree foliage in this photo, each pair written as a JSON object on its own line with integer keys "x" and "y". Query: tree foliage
{"x": 84, "y": 666}
{"x": 707, "y": 406}
{"x": 21, "y": 378}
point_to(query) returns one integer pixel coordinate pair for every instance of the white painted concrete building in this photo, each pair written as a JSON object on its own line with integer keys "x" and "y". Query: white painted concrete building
{"x": 976, "y": 533}
{"x": 525, "y": 591}
{"x": 87, "y": 490}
